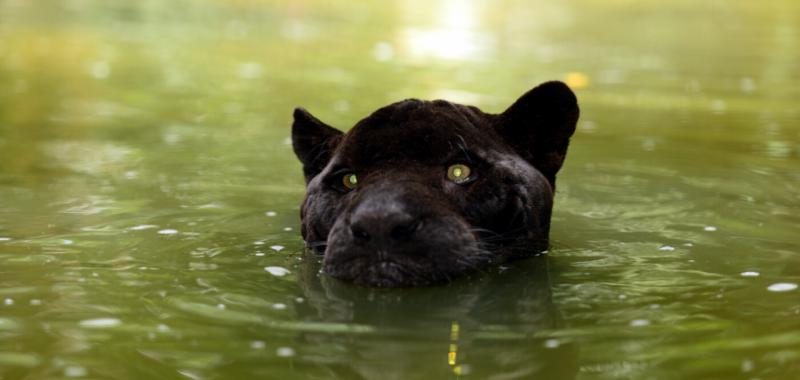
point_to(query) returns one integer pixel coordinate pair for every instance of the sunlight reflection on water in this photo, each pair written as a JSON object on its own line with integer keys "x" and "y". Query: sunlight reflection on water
{"x": 149, "y": 194}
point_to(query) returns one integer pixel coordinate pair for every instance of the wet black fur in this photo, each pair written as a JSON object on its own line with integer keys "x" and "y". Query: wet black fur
{"x": 407, "y": 225}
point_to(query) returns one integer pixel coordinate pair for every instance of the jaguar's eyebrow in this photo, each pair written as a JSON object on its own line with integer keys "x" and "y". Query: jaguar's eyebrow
{"x": 461, "y": 144}
{"x": 339, "y": 169}
{"x": 463, "y": 153}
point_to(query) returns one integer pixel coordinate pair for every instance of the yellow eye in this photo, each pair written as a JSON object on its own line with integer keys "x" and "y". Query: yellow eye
{"x": 458, "y": 173}
{"x": 350, "y": 180}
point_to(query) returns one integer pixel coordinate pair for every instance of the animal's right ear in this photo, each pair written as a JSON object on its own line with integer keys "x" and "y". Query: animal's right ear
{"x": 313, "y": 142}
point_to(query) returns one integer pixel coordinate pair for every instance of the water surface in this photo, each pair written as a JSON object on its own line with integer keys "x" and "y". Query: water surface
{"x": 149, "y": 195}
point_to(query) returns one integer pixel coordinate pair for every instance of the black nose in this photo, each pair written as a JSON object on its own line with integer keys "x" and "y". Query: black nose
{"x": 382, "y": 227}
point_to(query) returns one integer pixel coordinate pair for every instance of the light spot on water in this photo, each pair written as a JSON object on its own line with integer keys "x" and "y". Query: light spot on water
{"x": 639, "y": 323}
{"x": 168, "y": 231}
{"x": 649, "y": 144}
{"x": 277, "y": 248}
{"x": 171, "y": 138}
{"x": 779, "y": 149}
{"x": 271, "y": 213}
{"x": 258, "y": 242}
{"x": 612, "y": 76}
{"x": 258, "y": 345}
{"x": 142, "y": 227}
{"x": 191, "y": 374}
{"x": 341, "y": 106}
{"x": 203, "y": 266}
{"x": 35, "y": 302}
{"x": 666, "y": 248}
{"x": 383, "y": 51}
{"x": 750, "y": 274}
{"x": 709, "y": 228}
{"x": 100, "y": 322}
{"x": 279, "y": 306}
{"x": 100, "y": 70}
{"x": 747, "y": 365}
{"x": 299, "y": 300}
{"x": 718, "y": 106}
{"x": 5, "y": 238}
{"x": 162, "y": 328}
{"x": 287, "y": 229}
{"x": 587, "y": 126}
{"x": 552, "y": 343}
{"x": 75, "y": 371}
{"x": 782, "y": 287}
{"x": 576, "y": 80}
{"x": 747, "y": 84}
{"x": 67, "y": 242}
{"x": 221, "y": 306}
{"x": 277, "y": 271}
{"x": 250, "y": 70}
{"x": 8, "y": 302}
{"x": 259, "y": 254}
{"x": 285, "y": 352}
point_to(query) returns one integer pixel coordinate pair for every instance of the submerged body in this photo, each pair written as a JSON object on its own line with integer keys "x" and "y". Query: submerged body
{"x": 421, "y": 192}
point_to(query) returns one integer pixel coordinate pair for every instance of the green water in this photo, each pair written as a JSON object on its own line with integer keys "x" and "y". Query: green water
{"x": 146, "y": 182}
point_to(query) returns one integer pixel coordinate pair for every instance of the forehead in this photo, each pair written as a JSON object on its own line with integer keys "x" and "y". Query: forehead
{"x": 419, "y": 131}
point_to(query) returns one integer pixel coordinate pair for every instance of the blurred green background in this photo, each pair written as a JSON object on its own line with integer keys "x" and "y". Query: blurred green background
{"x": 147, "y": 181}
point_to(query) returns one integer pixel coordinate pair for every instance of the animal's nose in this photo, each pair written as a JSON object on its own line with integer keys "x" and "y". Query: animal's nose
{"x": 382, "y": 228}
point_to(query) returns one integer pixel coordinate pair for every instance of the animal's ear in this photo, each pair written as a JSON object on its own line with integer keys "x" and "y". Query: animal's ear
{"x": 313, "y": 142}
{"x": 539, "y": 124}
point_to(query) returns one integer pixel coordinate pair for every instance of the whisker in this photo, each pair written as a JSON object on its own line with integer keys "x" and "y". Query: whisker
{"x": 318, "y": 243}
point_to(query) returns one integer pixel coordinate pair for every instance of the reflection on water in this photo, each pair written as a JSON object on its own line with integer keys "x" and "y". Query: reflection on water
{"x": 454, "y": 34}
{"x": 149, "y": 196}
{"x": 505, "y": 317}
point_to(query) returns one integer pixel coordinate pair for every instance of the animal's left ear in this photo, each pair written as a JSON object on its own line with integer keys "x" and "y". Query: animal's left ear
{"x": 313, "y": 142}
{"x": 539, "y": 124}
